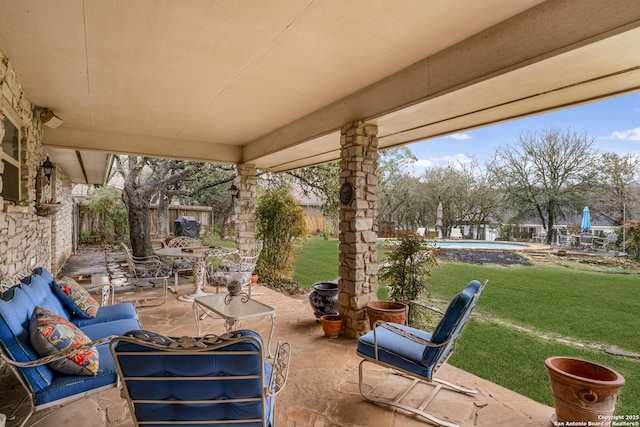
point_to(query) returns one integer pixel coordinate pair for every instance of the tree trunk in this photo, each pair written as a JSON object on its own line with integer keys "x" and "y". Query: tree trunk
{"x": 139, "y": 228}
{"x": 223, "y": 227}
{"x": 163, "y": 217}
{"x": 552, "y": 220}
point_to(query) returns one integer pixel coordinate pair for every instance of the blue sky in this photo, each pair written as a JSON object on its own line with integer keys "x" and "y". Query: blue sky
{"x": 614, "y": 123}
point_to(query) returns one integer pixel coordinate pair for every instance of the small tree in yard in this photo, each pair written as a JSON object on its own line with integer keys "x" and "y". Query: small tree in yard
{"x": 106, "y": 204}
{"x": 633, "y": 238}
{"x": 406, "y": 267}
{"x": 282, "y": 227}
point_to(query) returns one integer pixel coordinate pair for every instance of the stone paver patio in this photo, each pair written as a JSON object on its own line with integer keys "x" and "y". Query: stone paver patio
{"x": 322, "y": 389}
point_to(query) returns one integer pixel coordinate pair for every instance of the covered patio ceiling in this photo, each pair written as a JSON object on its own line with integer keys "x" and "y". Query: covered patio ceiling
{"x": 272, "y": 82}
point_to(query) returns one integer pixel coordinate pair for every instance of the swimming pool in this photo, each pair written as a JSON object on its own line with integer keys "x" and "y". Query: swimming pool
{"x": 480, "y": 244}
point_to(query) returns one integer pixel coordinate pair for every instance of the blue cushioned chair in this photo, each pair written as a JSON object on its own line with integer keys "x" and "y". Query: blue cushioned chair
{"x": 222, "y": 380}
{"x": 45, "y": 387}
{"x": 417, "y": 354}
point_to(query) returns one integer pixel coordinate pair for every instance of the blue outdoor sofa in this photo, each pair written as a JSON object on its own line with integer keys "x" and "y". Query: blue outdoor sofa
{"x": 30, "y": 304}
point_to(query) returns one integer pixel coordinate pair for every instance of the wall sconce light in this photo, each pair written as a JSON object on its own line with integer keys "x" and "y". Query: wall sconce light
{"x": 49, "y": 119}
{"x": 48, "y": 168}
{"x": 233, "y": 191}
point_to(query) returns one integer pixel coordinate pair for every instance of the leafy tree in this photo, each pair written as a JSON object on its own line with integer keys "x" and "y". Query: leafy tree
{"x": 209, "y": 186}
{"x": 322, "y": 180}
{"x": 144, "y": 177}
{"x": 400, "y": 199}
{"x": 281, "y": 226}
{"x": 106, "y": 204}
{"x": 545, "y": 172}
{"x": 447, "y": 185}
{"x": 480, "y": 200}
{"x": 618, "y": 186}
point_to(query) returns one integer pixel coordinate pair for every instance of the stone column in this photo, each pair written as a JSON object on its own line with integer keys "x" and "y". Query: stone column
{"x": 358, "y": 224}
{"x": 245, "y": 207}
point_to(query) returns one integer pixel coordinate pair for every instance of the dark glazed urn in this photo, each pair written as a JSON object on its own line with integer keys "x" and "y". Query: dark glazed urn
{"x": 324, "y": 299}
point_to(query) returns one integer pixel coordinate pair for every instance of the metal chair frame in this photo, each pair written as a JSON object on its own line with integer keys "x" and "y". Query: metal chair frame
{"x": 211, "y": 346}
{"x": 152, "y": 268}
{"x": 178, "y": 263}
{"x": 605, "y": 242}
{"x": 233, "y": 264}
{"x": 416, "y": 379}
{"x": 31, "y": 396}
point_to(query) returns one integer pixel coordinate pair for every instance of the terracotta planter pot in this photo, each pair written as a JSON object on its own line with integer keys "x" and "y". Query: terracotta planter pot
{"x": 254, "y": 278}
{"x": 331, "y": 325}
{"x": 582, "y": 391}
{"x": 386, "y": 310}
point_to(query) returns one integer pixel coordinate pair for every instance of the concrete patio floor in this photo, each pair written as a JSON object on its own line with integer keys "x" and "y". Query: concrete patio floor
{"x": 322, "y": 388}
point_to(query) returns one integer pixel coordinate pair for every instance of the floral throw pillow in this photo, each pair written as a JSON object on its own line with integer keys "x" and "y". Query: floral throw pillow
{"x": 51, "y": 334}
{"x": 76, "y": 298}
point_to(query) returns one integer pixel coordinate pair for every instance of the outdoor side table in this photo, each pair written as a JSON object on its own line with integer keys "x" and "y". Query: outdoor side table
{"x": 233, "y": 312}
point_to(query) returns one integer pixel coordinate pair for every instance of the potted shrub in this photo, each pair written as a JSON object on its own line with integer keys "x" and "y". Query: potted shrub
{"x": 407, "y": 265}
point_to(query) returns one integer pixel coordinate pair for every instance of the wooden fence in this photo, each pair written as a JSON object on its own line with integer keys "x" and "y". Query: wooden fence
{"x": 89, "y": 223}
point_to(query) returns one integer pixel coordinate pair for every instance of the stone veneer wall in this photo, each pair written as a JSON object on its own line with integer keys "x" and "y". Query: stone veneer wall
{"x": 358, "y": 225}
{"x": 245, "y": 207}
{"x": 61, "y": 222}
{"x": 25, "y": 238}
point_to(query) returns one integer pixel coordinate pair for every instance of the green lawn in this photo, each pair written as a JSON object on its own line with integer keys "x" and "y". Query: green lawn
{"x": 547, "y": 300}
{"x": 317, "y": 262}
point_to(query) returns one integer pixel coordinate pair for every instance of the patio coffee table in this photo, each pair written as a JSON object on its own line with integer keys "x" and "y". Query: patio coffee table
{"x": 233, "y": 312}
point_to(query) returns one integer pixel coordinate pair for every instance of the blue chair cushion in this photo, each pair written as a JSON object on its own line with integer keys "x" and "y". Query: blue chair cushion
{"x": 175, "y": 365}
{"x": 451, "y": 323}
{"x": 15, "y": 311}
{"x": 109, "y": 313}
{"x": 40, "y": 292}
{"x": 69, "y": 385}
{"x": 420, "y": 359}
{"x": 76, "y": 298}
{"x": 96, "y": 331}
{"x": 396, "y": 350}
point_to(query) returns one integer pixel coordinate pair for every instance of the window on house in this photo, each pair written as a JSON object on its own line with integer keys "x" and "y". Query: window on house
{"x": 10, "y": 156}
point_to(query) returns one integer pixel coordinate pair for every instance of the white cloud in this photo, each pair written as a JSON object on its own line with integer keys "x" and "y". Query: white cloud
{"x": 627, "y": 135}
{"x": 460, "y": 136}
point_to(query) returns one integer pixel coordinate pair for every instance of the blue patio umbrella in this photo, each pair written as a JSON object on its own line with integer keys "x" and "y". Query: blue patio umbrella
{"x": 586, "y": 219}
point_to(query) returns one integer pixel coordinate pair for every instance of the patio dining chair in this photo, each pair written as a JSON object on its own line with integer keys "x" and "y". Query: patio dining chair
{"x": 150, "y": 269}
{"x": 417, "y": 355}
{"x": 586, "y": 241}
{"x": 181, "y": 265}
{"x": 236, "y": 266}
{"x": 541, "y": 236}
{"x": 605, "y": 242}
{"x": 221, "y": 380}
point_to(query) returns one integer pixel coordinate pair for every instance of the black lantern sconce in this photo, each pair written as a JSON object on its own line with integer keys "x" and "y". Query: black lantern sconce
{"x": 47, "y": 168}
{"x": 233, "y": 191}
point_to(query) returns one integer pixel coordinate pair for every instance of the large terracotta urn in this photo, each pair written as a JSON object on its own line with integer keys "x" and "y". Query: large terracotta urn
{"x": 387, "y": 311}
{"x": 582, "y": 391}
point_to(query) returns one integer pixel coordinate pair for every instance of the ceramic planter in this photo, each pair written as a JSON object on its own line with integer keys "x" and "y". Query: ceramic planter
{"x": 324, "y": 298}
{"x": 331, "y": 325}
{"x": 582, "y": 391}
{"x": 254, "y": 278}
{"x": 386, "y": 310}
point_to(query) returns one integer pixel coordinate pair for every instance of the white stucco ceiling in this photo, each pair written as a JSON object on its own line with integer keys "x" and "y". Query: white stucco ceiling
{"x": 272, "y": 82}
